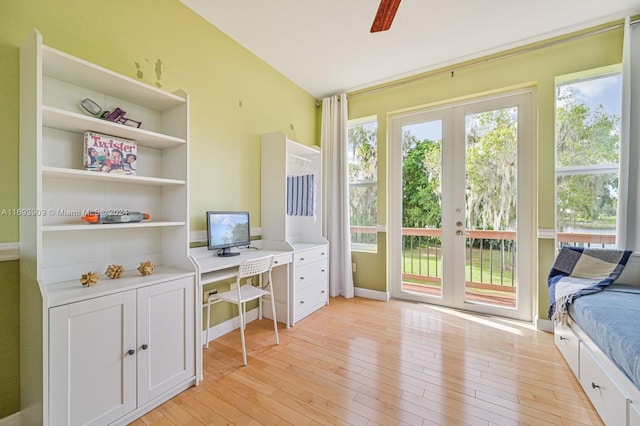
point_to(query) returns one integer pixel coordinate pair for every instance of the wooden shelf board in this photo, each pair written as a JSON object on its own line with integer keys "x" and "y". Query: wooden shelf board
{"x": 98, "y": 227}
{"x": 79, "y": 123}
{"x": 107, "y": 177}
{"x": 64, "y": 67}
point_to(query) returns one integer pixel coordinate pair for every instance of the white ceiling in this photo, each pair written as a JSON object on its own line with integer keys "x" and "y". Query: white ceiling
{"x": 325, "y": 46}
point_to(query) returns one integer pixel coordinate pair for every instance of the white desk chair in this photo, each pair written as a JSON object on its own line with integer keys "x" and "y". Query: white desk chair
{"x": 248, "y": 292}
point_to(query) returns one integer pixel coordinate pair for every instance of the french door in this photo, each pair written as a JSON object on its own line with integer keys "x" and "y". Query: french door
{"x": 462, "y": 205}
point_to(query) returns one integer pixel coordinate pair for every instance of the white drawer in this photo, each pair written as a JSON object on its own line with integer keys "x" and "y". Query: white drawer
{"x": 309, "y": 256}
{"x": 283, "y": 259}
{"x": 607, "y": 399}
{"x": 309, "y": 274}
{"x": 634, "y": 414}
{"x": 309, "y": 299}
{"x": 568, "y": 343}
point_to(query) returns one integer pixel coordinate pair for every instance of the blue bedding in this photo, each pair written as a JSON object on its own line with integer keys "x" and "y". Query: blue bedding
{"x": 612, "y": 319}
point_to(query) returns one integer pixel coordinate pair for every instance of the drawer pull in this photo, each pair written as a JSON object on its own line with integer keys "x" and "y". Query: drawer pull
{"x": 301, "y": 259}
{"x": 131, "y": 352}
{"x": 144, "y": 347}
{"x": 302, "y": 302}
{"x": 275, "y": 262}
{"x": 322, "y": 270}
{"x": 563, "y": 338}
{"x": 301, "y": 278}
{"x": 594, "y": 386}
{"x": 322, "y": 292}
{"x": 322, "y": 254}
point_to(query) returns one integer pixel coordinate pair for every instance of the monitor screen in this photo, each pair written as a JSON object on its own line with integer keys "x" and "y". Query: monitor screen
{"x": 226, "y": 230}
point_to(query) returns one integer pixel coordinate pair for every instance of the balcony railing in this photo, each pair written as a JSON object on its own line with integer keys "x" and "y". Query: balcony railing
{"x": 491, "y": 268}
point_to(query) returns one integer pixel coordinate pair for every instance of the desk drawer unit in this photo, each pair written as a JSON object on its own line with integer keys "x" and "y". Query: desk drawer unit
{"x": 305, "y": 257}
{"x": 605, "y": 396}
{"x": 569, "y": 344}
{"x": 282, "y": 259}
{"x": 310, "y": 299}
{"x": 310, "y": 274}
{"x": 310, "y": 281}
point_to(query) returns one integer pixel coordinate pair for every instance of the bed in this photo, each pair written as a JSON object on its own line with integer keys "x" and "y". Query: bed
{"x": 601, "y": 343}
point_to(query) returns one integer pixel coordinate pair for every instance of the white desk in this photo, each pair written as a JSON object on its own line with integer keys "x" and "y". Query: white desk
{"x": 212, "y": 268}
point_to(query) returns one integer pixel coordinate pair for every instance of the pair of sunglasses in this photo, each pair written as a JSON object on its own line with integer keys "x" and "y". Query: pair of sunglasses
{"x": 117, "y": 116}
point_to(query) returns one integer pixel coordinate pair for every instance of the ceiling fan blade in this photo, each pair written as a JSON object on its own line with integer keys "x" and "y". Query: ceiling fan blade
{"x": 384, "y": 16}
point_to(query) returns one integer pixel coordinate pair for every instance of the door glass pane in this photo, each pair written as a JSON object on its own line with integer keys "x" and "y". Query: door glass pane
{"x": 422, "y": 208}
{"x": 490, "y": 197}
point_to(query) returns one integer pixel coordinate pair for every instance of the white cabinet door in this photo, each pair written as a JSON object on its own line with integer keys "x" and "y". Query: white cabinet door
{"x": 92, "y": 360}
{"x": 165, "y": 337}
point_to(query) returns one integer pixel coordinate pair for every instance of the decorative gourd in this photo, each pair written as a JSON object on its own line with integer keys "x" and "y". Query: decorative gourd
{"x": 146, "y": 268}
{"x": 114, "y": 271}
{"x": 89, "y": 279}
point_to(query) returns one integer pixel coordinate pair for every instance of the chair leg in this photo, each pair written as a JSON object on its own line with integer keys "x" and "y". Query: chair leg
{"x": 275, "y": 323}
{"x": 244, "y": 311}
{"x": 242, "y": 325}
{"x": 208, "y": 320}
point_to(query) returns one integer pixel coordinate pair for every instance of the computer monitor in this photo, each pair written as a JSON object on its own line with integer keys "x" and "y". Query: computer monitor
{"x": 226, "y": 230}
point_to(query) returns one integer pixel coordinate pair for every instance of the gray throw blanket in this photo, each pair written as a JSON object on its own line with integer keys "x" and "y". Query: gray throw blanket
{"x": 578, "y": 271}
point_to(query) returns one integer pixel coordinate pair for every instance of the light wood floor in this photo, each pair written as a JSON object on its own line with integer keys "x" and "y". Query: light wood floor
{"x": 365, "y": 362}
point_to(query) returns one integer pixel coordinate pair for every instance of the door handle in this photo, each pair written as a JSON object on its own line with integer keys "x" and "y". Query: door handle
{"x": 459, "y": 232}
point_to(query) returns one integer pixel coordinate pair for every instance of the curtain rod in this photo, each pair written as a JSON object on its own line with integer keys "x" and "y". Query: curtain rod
{"x": 452, "y": 70}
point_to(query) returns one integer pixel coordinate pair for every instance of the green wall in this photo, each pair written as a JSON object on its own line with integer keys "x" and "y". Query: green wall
{"x": 536, "y": 69}
{"x": 234, "y": 97}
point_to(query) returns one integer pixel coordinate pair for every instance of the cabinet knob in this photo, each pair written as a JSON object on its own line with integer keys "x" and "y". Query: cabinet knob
{"x": 322, "y": 292}
{"x": 322, "y": 270}
{"x": 594, "y": 386}
{"x": 144, "y": 347}
{"x": 302, "y": 302}
{"x": 563, "y": 338}
{"x": 322, "y": 254}
{"x": 275, "y": 262}
{"x": 301, "y": 259}
{"x": 131, "y": 351}
{"x": 301, "y": 278}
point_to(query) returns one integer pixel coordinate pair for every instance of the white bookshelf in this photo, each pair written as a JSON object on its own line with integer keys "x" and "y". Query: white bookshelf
{"x": 57, "y": 246}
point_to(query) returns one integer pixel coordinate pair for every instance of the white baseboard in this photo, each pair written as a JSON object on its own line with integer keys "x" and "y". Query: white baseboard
{"x": 12, "y": 420}
{"x": 544, "y": 324}
{"x": 227, "y": 326}
{"x": 9, "y": 251}
{"x": 371, "y": 294}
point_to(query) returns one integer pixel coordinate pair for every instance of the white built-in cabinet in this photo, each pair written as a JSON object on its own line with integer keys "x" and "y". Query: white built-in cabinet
{"x": 136, "y": 344}
{"x": 282, "y": 157}
{"x": 110, "y": 352}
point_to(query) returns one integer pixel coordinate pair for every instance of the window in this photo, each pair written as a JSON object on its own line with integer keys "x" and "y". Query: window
{"x": 362, "y": 157}
{"x": 587, "y": 144}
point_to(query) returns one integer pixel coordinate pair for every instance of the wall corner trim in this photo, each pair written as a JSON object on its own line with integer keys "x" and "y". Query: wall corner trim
{"x": 544, "y": 324}
{"x": 371, "y": 294}
{"x": 9, "y": 251}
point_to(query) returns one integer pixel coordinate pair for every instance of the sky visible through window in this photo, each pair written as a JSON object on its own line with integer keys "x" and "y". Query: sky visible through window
{"x": 601, "y": 90}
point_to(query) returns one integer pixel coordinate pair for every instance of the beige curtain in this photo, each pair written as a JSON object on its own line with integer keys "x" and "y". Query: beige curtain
{"x": 628, "y": 233}
{"x": 333, "y": 139}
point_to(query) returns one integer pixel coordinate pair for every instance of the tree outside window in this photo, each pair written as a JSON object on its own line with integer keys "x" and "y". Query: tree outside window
{"x": 362, "y": 155}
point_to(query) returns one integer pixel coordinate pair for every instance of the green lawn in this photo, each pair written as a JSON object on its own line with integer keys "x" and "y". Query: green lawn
{"x": 428, "y": 264}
